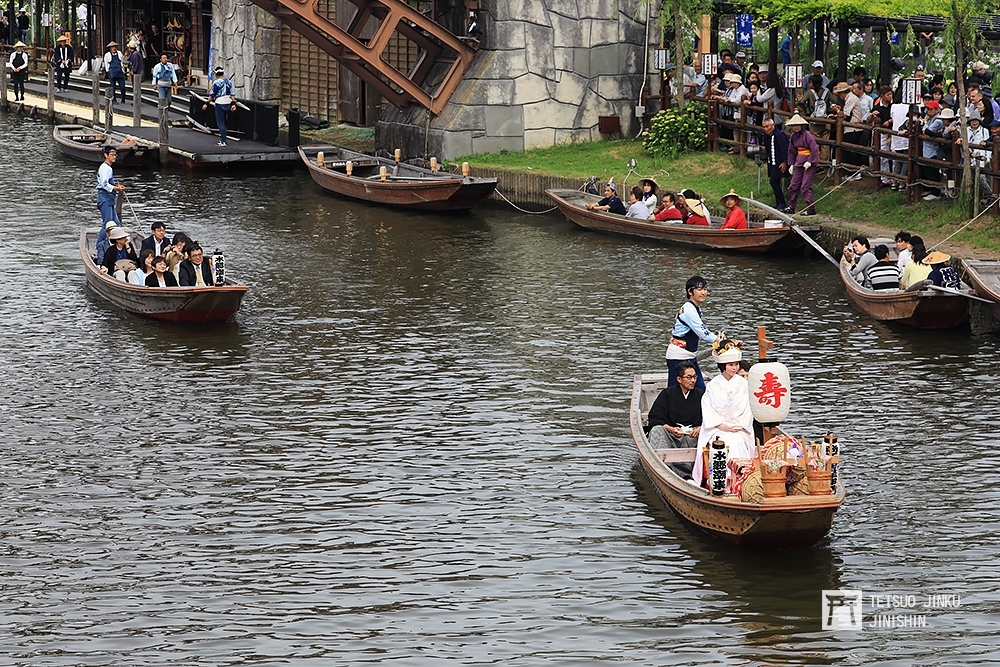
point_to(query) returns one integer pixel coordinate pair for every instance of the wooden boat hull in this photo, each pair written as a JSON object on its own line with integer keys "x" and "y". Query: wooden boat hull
{"x": 170, "y": 304}
{"x": 985, "y": 278}
{"x": 774, "y": 524}
{"x": 756, "y": 240}
{"x": 70, "y": 141}
{"x": 923, "y": 309}
{"x": 411, "y": 187}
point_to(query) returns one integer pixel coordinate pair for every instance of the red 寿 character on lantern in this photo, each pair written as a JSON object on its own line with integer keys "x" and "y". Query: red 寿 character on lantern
{"x": 771, "y": 391}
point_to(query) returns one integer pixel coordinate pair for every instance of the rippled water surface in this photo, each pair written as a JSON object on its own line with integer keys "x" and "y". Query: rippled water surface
{"x": 411, "y": 446}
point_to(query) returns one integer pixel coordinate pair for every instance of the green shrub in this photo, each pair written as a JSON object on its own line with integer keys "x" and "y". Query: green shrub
{"x": 677, "y": 131}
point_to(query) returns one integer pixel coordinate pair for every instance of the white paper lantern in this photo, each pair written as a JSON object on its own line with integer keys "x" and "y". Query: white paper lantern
{"x": 770, "y": 392}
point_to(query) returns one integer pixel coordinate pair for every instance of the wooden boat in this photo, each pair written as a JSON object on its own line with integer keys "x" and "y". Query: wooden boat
{"x": 84, "y": 143}
{"x": 985, "y": 278}
{"x": 759, "y": 238}
{"x": 774, "y": 523}
{"x": 405, "y": 185}
{"x": 922, "y": 306}
{"x": 172, "y": 304}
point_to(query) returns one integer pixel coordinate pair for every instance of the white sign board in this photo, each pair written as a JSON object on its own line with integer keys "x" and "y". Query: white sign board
{"x": 912, "y": 91}
{"x": 709, "y": 63}
{"x": 660, "y": 59}
{"x": 793, "y": 76}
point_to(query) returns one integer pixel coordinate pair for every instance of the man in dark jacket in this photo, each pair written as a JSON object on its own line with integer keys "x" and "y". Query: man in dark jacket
{"x": 776, "y": 152}
{"x": 675, "y": 416}
{"x": 157, "y": 241}
{"x": 195, "y": 271}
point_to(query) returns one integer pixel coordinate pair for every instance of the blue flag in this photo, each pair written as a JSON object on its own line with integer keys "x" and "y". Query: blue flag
{"x": 744, "y": 30}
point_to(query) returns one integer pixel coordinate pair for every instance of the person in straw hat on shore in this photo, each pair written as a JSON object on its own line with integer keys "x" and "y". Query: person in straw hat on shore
{"x": 18, "y": 65}
{"x": 62, "y": 58}
{"x": 725, "y": 408}
{"x": 803, "y": 154}
{"x": 115, "y": 67}
{"x": 735, "y": 217}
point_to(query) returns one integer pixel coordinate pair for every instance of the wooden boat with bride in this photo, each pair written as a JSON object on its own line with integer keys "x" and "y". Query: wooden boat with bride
{"x": 793, "y": 500}
{"x": 391, "y": 182}
{"x": 773, "y": 235}
{"x": 172, "y": 304}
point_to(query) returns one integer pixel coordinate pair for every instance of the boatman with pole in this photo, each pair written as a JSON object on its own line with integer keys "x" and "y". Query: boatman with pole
{"x": 223, "y": 96}
{"x": 107, "y": 189}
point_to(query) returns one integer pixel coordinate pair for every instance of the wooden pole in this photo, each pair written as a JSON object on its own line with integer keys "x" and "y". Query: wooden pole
{"x": 164, "y": 130}
{"x": 4, "y": 103}
{"x": 95, "y": 86}
{"x": 51, "y": 93}
{"x": 136, "y": 100}
{"x": 109, "y": 110}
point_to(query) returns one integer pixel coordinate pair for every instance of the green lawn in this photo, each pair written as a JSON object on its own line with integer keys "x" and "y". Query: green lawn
{"x": 714, "y": 174}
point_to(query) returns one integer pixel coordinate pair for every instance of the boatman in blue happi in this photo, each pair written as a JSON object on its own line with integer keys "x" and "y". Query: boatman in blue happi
{"x": 688, "y": 329}
{"x": 107, "y": 187}
{"x": 224, "y": 96}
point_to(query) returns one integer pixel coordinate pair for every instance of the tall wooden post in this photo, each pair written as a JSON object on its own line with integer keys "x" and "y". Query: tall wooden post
{"x": 109, "y": 110}
{"x": 164, "y": 130}
{"x": 136, "y": 100}
{"x": 4, "y": 103}
{"x": 95, "y": 83}
{"x": 51, "y": 93}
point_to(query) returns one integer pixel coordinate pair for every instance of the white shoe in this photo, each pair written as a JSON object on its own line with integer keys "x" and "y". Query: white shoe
{"x": 930, "y": 197}
{"x": 222, "y": 143}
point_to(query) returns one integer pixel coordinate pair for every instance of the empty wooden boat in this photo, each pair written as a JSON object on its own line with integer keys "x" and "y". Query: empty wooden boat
{"x": 87, "y": 144}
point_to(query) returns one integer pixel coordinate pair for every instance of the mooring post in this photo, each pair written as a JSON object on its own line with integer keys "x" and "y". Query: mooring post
{"x": 4, "y": 103}
{"x": 95, "y": 84}
{"x": 109, "y": 108}
{"x": 136, "y": 100}
{"x": 51, "y": 93}
{"x": 164, "y": 130}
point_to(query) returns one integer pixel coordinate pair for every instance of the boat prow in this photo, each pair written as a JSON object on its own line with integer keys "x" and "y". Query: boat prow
{"x": 87, "y": 144}
{"x": 921, "y": 307}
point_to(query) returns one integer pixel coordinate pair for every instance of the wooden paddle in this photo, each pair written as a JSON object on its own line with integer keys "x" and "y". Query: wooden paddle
{"x": 195, "y": 125}
{"x": 791, "y": 222}
{"x": 205, "y": 100}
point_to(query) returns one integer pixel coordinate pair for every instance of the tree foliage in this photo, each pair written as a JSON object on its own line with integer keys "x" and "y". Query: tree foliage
{"x": 791, "y": 11}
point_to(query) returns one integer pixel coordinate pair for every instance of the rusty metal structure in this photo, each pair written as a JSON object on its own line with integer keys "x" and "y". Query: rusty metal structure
{"x": 443, "y": 58}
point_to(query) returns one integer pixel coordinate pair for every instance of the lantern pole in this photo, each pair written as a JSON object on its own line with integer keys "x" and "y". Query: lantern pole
{"x": 763, "y": 344}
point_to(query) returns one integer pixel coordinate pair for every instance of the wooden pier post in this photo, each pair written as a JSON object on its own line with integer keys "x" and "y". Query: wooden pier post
{"x": 136, "y": 100}
{"x": 51, "y": 93}
{"x": 95, "y": 83}
{"x": 164, "y": 130}
{"x": 109, "y": 109}
{"x": 4, "y": 102}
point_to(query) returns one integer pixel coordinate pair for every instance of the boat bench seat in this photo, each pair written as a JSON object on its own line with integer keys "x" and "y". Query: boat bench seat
{"x": 677, "y": 454}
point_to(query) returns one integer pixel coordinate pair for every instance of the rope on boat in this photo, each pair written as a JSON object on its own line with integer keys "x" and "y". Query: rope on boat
{"x": 834, "y": 188}
{"x": 987, "y": 208}
{"x": 548, "y": 210}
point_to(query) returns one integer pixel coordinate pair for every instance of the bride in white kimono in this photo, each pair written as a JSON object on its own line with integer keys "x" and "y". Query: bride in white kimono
{"x": 725, "y": 410}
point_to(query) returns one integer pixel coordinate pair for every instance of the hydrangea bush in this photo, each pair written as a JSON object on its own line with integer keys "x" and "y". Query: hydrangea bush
{"x": 677, "y": 131}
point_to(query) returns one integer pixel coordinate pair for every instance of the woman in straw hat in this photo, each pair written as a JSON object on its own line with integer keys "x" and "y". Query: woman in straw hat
{"x": 18, "y": 65}
{"x": 803, "y": 154}
{"x": 696, "y": 212}
{"x": 725, "y": 408}
{"x": 941, "y": 274}
{"x": 735, "y": 217}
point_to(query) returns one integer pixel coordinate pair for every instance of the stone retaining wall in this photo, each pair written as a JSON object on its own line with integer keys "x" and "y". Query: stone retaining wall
{"x": 246, "y": 42}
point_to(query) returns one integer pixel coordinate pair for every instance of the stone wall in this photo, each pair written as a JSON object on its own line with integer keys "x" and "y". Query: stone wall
{"x": 246, "y": 42}
{"x": 545, "y": 72}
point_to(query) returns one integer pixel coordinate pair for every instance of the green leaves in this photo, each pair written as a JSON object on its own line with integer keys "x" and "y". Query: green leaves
{"x": 677, "y": 131}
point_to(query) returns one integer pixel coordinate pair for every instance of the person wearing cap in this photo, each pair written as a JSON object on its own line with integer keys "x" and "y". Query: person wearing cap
{"x": 115, "y": 68}
{"x": 735, "y": 217}
{"x": 941, "y": 274}
{"x": 23, "y": 25}
{"x": 978, "y": 136}
{"x": 849, "y": 103}
{"x": 611, "y": 202}
{"x": 741, "y": 63}
{"x": 137, "y": 66}
{"x": 165, "y": 79}
{"x": 817, "y": 68}
{"x": 725, "y": 409}
{"x": 18, "y": 65}
{"x": 103, "y": 242}
{"x": 120, "y": 250}
{"x": 814, "y": 103}
{"x": 689, "y": 328}
{"x": 776, "y": 156}
{"x": 62, "y": 59}
{"x": 695, "y": 211}
{"x": 726, "y": 66}
{"x": 107, "y": 187}
{"x": 884, "y": 274}
{"x": 675, "y": 416}
{"x": 734, "y": 95}
{"x": 803, "y": 154}
{"x": 223, "y": 95}
{"x": 933, "y": 126}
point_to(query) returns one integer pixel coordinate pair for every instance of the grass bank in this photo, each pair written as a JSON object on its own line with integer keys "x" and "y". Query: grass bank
{"x": 853, "y": 205}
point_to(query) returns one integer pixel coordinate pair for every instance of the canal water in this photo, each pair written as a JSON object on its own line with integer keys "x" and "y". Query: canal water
{"x": 411, "y": 446}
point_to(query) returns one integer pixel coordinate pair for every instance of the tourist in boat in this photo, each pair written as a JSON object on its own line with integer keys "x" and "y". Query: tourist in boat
{"x": 669, "y": 210}
{"x": 157, "y": 240}
{"x": 903, "y": 249}
{"x": 697, "y": 212}
{"x": 120, "y": 251}
{"x": 107, "y": 186}
{"x": 941, "y": 274}
{"x": 611, "y": 202}
{"x": 18, "y": 65}
{"x": 648, "y": 193}
{"x": 725, "y": 409}
{"x": 859, "y": 258}
{"x": 916, "y": 270}
{"x": 675, "y": 416}
{"x": 803, "y": 155}
{"x": 103, "y": 242}
{"x": 195, "y": 271}
{"x": 138, "y": 277}
{"x": 161, "y": 276}
{"x": 636, "y": 208}
{"x": 884, "y": 274}
{"x": 177, "y": 252}
{"x": 735, "y": 217}
{"x": 688, "y": 328}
